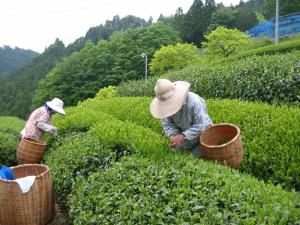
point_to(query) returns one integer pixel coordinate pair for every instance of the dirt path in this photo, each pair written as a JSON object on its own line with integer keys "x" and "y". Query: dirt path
{"x": 60, "y": 217}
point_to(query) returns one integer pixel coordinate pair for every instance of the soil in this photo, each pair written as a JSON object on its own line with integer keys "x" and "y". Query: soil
{"x": 60, "y": 217}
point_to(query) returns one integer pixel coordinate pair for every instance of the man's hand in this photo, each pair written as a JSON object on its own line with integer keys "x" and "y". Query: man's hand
{"x": 177, "y": 140}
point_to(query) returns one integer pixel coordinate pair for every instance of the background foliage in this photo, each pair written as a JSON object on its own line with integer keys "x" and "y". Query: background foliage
{"x": 12, "y": 59}
{"x": 175, "y": 57}
{"x": 108, "y": 63}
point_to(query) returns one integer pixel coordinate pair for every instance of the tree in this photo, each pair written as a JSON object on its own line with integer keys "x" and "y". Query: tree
{"x": 109, "y": 62}
{"x": 223, "y": 16}
{"x": 12, "y": 59}
{"x": 173, "y": 57}
{"x": 245, "y": 18}
{"x": 197, "y": 20}
{"x": 285, "y": 7}
{"x": 224, "y": 42}
{"x": 17, "y": 90}
{"x": 177, "y": 21}
{"x": 241, "y": 17}
{"x": 103, "y": 32}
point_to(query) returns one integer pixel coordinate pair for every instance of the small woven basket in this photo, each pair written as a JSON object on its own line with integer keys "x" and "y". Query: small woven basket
{"x": 30, "y": 151}
{"x": 222, "y": 142}
{"x": 35, "y": 207}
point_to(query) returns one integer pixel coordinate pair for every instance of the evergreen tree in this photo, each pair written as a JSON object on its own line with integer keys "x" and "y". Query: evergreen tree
{"x": 285, "y": 7}
{"x": 11, "y": 59}
{"x": 197, "y": 20}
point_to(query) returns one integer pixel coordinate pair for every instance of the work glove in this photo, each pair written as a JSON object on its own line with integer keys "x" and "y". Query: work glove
{"x": 47, "y": 128}
{"x": 53, "y": 132}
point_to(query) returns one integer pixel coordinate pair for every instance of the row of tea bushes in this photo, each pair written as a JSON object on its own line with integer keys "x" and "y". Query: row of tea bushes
{"x": 148, "y": 183}
{"x": 10, "y": 128}
{"x": 11, "y": 123}
{"x": 271, "y": 79}
{"x": 134, "y": 110}
{"x": 271, "y": 138}
{"x": 282, "y": 47}
{"x": 186, "y": 191}
{"x": 76, "y": 154}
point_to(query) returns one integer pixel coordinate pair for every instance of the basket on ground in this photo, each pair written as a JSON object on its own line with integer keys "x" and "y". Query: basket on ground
{"x": 35, "y": 207}
{"x": 30, "y": 151}
{"x": 222, "y": 142}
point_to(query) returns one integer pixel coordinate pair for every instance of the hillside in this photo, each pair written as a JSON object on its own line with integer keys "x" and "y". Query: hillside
{"x": 18, "y": 89}
{"x": 11, "y": 59}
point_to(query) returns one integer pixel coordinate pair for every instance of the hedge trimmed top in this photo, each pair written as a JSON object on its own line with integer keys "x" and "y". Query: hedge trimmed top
{"x": 271, "y": 79}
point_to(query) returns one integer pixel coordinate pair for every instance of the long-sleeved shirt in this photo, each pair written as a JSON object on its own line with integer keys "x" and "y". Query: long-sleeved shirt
{"x": 191, "y": 120}
{"x": 32, "y": 130}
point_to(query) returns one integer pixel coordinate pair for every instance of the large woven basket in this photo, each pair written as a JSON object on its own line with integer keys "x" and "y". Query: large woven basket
{"x": 30, "y": 151}
{"x": 35, "y": 207}
{"x": 222, "y": 142}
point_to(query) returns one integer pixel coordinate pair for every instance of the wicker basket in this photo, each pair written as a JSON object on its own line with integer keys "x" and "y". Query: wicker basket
{"x": 30, "y": 151}
{"x": 222, "y": 142}
{"x": 35, "y": 207}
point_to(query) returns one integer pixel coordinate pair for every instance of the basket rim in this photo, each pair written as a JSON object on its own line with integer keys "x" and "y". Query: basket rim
{"x": 223, "y": 145}
{"x": 27, "y": 165}
{"x": 37, "y": 142}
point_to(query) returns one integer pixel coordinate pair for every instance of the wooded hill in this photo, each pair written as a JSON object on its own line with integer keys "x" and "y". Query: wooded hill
{"x": 12, "y": 59}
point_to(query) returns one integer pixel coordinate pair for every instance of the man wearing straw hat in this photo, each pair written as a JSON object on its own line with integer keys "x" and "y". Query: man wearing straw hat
{"x": 183, "y": 114}
{"x": 40, "y": 119}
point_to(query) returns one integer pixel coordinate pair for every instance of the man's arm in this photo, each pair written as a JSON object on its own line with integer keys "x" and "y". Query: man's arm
{"x": 170, "y": 128}
{"x": 200, "y": 121}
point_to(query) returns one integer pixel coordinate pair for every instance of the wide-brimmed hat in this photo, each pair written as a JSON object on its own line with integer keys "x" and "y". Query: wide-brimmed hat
{"x": 169, "y": 98}
{"x": 57, "y": 105}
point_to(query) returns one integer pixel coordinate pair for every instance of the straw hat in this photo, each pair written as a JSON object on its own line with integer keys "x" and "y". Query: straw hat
{"x": 169, "y": 98}
{"x": 57, "y": 105}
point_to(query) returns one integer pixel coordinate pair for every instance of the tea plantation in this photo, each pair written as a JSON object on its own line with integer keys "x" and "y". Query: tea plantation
{"x": 112, "y": 165}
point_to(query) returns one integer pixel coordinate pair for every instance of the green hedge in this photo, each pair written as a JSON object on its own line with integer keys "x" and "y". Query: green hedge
{"x": 149, "y": 184}
{"x": 271, "y": 139}
{"x": 11, "y": 123}
{"x": 271, "y": 79}
{"x": 10, "y": 128}
{"x": 112, "y": 131}
{"x": 283, "y": 47}
{"x": 134, "y": 110}
{"x": 187, "y": 191}
{"x": 76, "y": 156}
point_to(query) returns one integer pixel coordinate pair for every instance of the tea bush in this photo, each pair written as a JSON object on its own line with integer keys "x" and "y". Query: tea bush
{"x": 282, "y": 47}
{"x": 271, "y": 79}
{"x": 149, "y": 184}
{"x": 10, "y": 128}
{"x": 8, "y": 148}
{"x": 111, "y": 130}
{"x": 134, "y": 110}
{"x": 76, "y": 156}
{"x": 11, "y": 123}
{"x": 187, "y": 191}
{"x": 269, "y": 136}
